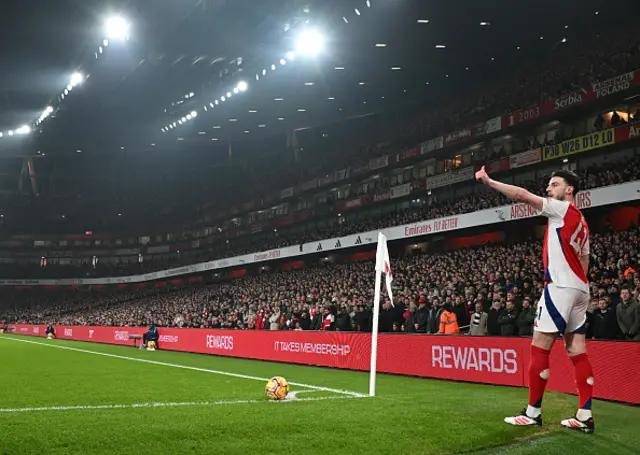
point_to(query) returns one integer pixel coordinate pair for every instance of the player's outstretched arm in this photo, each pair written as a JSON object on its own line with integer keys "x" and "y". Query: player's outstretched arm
{"x": 515, "y": 193}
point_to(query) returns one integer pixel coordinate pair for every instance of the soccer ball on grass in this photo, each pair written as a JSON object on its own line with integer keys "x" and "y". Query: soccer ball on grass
{"x": 277, "y": 388}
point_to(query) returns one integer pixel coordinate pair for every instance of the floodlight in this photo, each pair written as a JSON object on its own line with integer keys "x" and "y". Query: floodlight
{"x": 291, "y": 55}
{"x": 310, "y": 42}
{"x": 117, "y": 27}
{"x": 188, "y": 116}
{"x": 10, "y": 132}
{"x": 194, "y": 114}
{"x": 235, "y": 90}
{"x": 76, "y": 79}
{"x": 243, "y": 86}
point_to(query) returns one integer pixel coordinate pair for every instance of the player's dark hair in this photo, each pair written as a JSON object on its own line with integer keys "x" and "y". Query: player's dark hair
{"x": 570, "y": 177}
{"x": 626, "y": 286}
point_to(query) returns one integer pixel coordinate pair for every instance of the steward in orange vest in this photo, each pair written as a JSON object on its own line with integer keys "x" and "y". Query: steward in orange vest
{"x": 448, "y": 321}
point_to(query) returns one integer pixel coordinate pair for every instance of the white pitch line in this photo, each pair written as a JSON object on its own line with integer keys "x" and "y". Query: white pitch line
{"x": 166, "y": 405}
{"x": 186, "y": 367}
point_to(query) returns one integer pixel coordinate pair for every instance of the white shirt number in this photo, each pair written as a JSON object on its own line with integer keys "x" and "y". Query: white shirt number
{"x": 579, "y": 238}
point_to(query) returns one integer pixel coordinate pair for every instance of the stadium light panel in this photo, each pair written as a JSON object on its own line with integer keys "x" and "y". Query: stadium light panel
{"x": 283, "y": 61}
{"x": 310, "y": 42}
{"x": 116, "y": 27}
{"x": 243, "y": 86}
{"x": 235, "y": 90}
{"x": 76, "y": 79}
{"x": 290, "y": 55}
{"x": 194, "y": 114}
{"x": 10, "y": 133}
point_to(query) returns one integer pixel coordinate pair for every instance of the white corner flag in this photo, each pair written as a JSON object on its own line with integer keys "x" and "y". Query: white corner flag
{"x": 382, "y": 266}
{"x": 383, "y": 263}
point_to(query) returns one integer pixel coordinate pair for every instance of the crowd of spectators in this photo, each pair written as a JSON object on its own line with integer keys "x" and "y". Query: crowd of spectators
{"x": 492, "y": 290}
{"x": 611, "y": 173}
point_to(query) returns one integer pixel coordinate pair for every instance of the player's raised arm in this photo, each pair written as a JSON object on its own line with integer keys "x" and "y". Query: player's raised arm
{"x": 515, "y": 193}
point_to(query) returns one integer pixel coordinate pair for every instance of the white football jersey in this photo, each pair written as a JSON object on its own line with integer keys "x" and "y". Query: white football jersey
{"x": 565, "y": 242}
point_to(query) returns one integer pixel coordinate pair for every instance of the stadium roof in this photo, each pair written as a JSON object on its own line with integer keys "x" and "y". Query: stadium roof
{"x": 293, "y": 64}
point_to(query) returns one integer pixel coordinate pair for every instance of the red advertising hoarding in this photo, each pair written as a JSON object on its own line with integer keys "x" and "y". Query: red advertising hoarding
{"x": 489, "y": 360}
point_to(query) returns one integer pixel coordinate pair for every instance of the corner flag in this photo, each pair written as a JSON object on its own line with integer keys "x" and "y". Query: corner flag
{"x": 383, "y": 263}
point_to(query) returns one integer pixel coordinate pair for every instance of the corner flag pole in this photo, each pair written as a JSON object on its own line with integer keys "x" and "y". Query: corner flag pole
{"x": 374, "y": 333}
{"x": 382, "y": 266}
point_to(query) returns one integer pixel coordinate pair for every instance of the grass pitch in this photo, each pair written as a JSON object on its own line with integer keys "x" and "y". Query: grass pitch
{"x": 64, "y": 397}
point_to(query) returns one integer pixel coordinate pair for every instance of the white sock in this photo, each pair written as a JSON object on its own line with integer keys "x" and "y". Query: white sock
{"x": 583, "y": 414}
{"x": 533, "y": 412}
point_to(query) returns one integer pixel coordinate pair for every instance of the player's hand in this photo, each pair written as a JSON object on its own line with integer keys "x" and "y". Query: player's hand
{"x": 482, "y": 175}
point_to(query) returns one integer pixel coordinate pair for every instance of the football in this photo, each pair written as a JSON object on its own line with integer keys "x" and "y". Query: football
{"x": 277, "y": 388}
{"x": 151, "y": 346}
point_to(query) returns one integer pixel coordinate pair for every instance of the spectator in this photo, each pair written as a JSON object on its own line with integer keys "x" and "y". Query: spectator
{"x": 433, "y": 321}
{"x": 362, "y": 320}
{"x": 422, "y": 316}
{"x": 411, "y": 325}
{"x": 493, "y": 324}
{"x": 343, "y": 320}
{"x": 507, "y": 320}
{"x": 460, "y": 309}
{"x": 628, "y": 315}
{"x": 329, "y": 319}
{"x": 479, "y": 321}
{"x": 274, "y": 319}
{"x": 525, "y": 319}
{"x": 604, "y": 322}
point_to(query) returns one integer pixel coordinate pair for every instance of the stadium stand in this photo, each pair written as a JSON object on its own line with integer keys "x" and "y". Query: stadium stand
{"x": 305, "y": 299}
{"x": 491, "y": 275}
